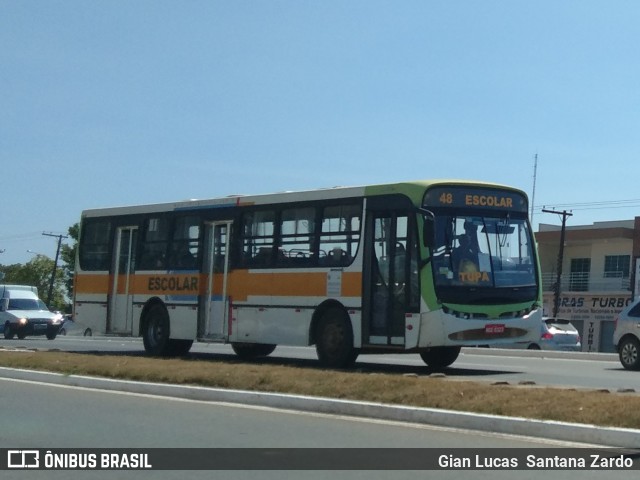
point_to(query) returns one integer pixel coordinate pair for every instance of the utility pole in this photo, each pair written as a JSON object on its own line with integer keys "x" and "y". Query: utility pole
{"x": 556, "y": 290}
{"x": 55, "y": 264}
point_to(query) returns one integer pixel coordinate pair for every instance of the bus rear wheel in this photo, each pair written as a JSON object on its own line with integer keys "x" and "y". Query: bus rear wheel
{"x": 180, "y": 348}
{"x": 440, "y": 357}
{"x": 155, "y": 335}
{"x": 248, "y": 351}
{"x": 334, "y": 340}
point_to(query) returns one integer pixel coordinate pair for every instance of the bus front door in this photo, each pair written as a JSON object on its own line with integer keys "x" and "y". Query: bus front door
{"x": 120, "y": 318}
{"x": 214, "y": 305}
{"x": 390, "y": 277}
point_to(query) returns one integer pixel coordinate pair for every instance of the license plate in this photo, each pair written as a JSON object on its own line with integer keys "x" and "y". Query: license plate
{"x": 39, "y": 326}
{"x": 494, "y": 328}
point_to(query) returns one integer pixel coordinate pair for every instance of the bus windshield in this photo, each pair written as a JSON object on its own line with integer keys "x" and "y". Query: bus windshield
{"x": 483, "y": 252}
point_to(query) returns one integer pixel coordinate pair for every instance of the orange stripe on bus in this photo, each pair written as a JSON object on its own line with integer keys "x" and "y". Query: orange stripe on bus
{"x": 243, "y": 284}
{"x": 92, "y": 283}
{"x": 240, "y": 285}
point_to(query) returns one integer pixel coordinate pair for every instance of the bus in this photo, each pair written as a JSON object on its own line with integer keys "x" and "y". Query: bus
{"x": 422, "y": 267}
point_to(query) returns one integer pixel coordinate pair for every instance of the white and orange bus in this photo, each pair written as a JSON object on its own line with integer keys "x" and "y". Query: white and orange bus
{"x": 418, "y": 267}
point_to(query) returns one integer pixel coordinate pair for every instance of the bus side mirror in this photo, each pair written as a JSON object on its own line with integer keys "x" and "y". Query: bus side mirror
{"x": 428, "y": 228}
{"x": 3, "y": 304}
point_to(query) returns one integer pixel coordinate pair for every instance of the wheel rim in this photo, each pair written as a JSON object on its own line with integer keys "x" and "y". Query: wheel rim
{"x": 629, "y": 354}
{"x": 155, "y": 332}
{"x": 333, "y": 337}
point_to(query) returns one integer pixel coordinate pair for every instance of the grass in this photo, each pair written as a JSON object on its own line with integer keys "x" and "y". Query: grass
{"x": 590, "y": 407}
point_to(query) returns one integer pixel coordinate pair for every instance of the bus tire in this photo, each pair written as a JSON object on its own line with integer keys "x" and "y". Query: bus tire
{"x": 180, "y": 348}
{"x": 155, "y": 333}
{"x": 440, "y": 357}
{"x": 248, "y": 351}
{"x": 334, "y": 340}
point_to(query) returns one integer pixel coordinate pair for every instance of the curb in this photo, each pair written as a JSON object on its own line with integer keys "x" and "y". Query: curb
{"x": 515, "y": 352}
{"x": 589, "y": 434}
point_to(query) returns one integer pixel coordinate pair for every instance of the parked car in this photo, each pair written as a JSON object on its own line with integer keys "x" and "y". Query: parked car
{"x": 626, "y": 336}
{"x": 70, "y": 327}
{"x": 555, "y": 334}
{"x": 559, "y": 334}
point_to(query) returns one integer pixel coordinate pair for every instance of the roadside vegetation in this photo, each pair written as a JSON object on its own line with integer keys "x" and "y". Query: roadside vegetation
{"x": 597, "y": 407}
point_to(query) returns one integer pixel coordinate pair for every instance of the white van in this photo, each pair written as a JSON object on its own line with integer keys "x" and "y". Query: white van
{"x": 22, "y": 313}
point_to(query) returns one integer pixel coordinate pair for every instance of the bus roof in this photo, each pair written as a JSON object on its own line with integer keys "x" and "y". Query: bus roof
{"x": 413, "y": 189}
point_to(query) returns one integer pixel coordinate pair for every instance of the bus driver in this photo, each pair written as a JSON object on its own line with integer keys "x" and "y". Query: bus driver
{"x": 465, "y": 255}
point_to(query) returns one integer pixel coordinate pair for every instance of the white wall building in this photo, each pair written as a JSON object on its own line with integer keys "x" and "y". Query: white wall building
{"x": 598, "y": 275}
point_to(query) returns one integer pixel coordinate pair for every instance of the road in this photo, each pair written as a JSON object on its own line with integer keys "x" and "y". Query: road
{"x": 63, "y": 417}
{"x": 583, "y": 371}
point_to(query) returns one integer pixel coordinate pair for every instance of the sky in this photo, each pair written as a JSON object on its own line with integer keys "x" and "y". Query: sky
{"x": 125, "y": 102}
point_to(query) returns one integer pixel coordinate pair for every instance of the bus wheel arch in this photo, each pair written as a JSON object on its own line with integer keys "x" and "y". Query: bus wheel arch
{"x": 332, "y": 333}
{"x": 155, "y": 328}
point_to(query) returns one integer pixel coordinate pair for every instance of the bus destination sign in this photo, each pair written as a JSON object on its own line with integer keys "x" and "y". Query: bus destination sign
{"x": 459, "y": 196}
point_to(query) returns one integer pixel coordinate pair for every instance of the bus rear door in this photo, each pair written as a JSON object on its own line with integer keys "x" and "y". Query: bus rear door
{"x": 213, "y": 321}
{"x": 121, "y": 302}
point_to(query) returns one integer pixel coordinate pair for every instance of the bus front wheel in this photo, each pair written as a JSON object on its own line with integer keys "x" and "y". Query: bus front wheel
{"x": 155, "y": 335}
{"x": 334, "y": 340}
{"x": 440, "y": 357}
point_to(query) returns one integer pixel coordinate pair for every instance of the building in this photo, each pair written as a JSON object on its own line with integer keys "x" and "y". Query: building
{"x": 598, "y": 276}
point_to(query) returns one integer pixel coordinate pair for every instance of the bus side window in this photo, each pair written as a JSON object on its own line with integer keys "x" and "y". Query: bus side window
{"x": 258, "y": 230}
{"x": 337, "y": 257}
{"x": 154, "y": 245}
{"x": 95, "y": 253}
{"x": 340, "y": 235}
{"x": 185, "y": 244}
{"x": 297, "y": 228}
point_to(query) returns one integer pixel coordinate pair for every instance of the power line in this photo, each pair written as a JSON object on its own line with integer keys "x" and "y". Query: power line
{"x": 594, "y": 205}
{"x": 20, "y": 236}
